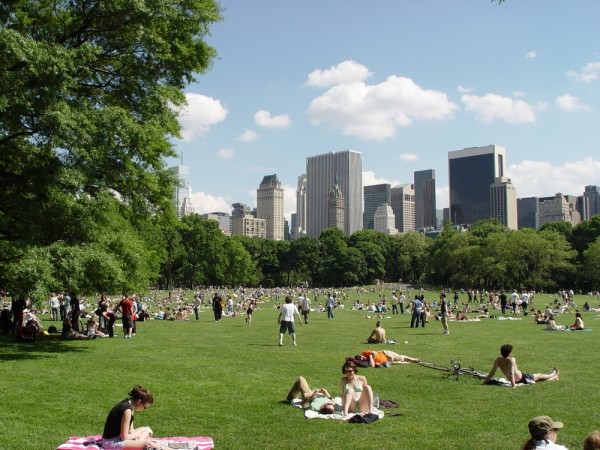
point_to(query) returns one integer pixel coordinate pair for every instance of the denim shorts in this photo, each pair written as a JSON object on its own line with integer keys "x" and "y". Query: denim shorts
{"x": 112, "y": 444}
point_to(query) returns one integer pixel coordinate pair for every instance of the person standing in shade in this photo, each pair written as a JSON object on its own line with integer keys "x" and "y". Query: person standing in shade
{"x": 286, "y": 320}
{"x": 54, "y": 307}
{"x": 125, "y": 306}
{"x": 75, "y": 312}
{"x": 329, "y": 305}
{"x": 503, "y": 302}
{"x": 444, "y": 312}
{"x": 197, "y": 303}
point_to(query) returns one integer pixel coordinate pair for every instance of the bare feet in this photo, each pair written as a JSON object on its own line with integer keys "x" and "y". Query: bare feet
{"x": 556, "y": 372}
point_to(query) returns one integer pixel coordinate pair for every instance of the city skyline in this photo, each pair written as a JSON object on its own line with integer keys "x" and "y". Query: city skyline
{"x": 400, "y": 96}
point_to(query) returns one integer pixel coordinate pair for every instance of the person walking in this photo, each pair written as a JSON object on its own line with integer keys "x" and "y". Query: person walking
{"x": 329, "y": 305}
{"x": 286, "y": 320}
{"x": 444, "y": 313}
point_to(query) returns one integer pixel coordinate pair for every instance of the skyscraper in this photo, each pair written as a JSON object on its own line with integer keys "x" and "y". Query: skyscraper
{"x": 425, "y": 206}
{"x": 503, "y": 201}
{"x": 384, "y": 219}
{"x": 590, "y": 202}
{"x": 471, "y": 173}
{"x": 182, "y": 191}
{"x": 375, "y": 195}
{"x": 528, "y": 212}
{"x": 403, "y": 206}
{"x": 558, "y": 209}
{"x": 321, "y": 171}
{"x": 335, "y": 207}
{"x": 299, "y": 224}
{"x": 269, "y": 206}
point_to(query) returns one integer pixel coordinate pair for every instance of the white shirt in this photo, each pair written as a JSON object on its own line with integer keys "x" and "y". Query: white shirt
{"x": 288, "y": 310}
{"x": 547, "y": 445}
{"x": 305, "y": 302}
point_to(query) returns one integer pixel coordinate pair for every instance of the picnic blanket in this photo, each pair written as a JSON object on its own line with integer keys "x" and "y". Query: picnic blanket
{"x": 95, "y": 442}
{"x": 309, "y": 414}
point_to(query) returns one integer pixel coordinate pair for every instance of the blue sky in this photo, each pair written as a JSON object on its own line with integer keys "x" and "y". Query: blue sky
{"x": 404, "y": 82}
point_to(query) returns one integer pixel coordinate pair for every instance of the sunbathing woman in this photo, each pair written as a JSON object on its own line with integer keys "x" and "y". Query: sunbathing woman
{"x": 357, "y": 395}
{"x": 118, "y": 429}
{"x": 578, "y": 325}
{"x": 552, "y": 326}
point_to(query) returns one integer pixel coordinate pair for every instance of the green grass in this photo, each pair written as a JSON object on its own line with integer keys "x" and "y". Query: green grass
{"x": 226, "y": 381}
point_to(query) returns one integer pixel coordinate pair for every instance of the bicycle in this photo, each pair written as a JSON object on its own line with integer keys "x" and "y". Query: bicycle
{"x": 455, "y": 369}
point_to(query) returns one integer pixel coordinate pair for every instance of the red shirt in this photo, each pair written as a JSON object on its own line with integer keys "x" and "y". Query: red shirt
{"x": 126, "y": 306}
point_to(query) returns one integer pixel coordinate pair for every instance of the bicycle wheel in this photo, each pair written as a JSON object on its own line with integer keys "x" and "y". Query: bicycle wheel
{"x": 472, "y": 372}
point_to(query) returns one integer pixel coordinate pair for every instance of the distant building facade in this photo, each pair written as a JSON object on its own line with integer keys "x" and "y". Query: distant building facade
{"x": 384, "y": 219}
{"x": 224, "y": 220}
{"x": 503, "y": 202}
{"x": 558, "y": 209}
{"x": 250, "y": 226}
{"x": 335, "y": 209}
{"x": 181, "y": 198}
{"x": 321, "y": 171}
{"x": 471, "y": 173}
{"x": 425, "y": 204}
{"x": 269, "y": 206}
{"x": 528, "y": 212}
{"x": 403, "y": 206}
{"x": 299, "y": 219}
{"x": 374, "y": 196}
{"x": 590, "y": 202}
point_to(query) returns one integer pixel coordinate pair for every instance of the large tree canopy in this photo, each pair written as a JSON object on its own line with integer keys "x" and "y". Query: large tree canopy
{"x": 89, "y": 94}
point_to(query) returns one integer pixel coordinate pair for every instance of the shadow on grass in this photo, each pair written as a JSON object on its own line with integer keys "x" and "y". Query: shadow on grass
{"x": 42, "y": 347}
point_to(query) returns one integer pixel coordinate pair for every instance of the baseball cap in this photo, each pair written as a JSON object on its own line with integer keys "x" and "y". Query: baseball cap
{"x": 540, "y": 425}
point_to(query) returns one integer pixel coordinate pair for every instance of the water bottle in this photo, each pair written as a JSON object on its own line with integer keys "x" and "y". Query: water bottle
{"x": 376, "y": 400}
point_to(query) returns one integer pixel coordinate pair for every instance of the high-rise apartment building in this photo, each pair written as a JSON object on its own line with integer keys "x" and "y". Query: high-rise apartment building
{"x": 528, "y": 212}
{"x": 374, "y": 196}
{"x": 299, "y": 223}
{"x": 403, "y": 206}
{"x": 269, "y": 206}
{"x": 425, "y": 205}
{"x": 250, "y": 226}
{"x": 321, "y": 172}
{"x": 224, "y": 220}
{"x": 471, "y": 173}
{"x": 384, "y": 219}
{"x": 560, "y": 208}
{"x": 503, "y": 202}
{"x": 181, "y": 198}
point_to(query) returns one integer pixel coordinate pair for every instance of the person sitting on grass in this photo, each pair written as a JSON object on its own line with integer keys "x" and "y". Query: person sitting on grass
{"x": 378, "y": 335}
{"x": 357, "y": 395}
{"x": 508, "y": 365}
{"x": 592, "y": 441}
{"x": 544, "y": 433}
{"x": 119, "y": 433}
{"x": 69, "y": 333}
{"x": 578, "y": 325}
{"x": 552, "y": 326}
{"x": 312, "y": 399}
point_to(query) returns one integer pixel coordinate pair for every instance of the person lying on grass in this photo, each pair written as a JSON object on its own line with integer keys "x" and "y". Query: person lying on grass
{"x": 119, "y": 433}
{"x": 381, "y": 357}
{"x": 312, "y": 399}
{"x": 508, "y": 365}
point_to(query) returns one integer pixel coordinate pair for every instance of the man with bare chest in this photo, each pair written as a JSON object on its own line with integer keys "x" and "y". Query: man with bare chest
{"x": 508, "y": 365}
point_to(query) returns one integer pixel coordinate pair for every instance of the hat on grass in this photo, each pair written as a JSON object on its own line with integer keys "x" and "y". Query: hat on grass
{"x": 540, "y": 425}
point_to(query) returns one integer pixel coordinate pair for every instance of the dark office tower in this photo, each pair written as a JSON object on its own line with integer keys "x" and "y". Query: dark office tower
{"x": 321, "y": 171}
{"x": 471, "y": 173}
{"x": 528, "y": 212}
{"x": 375, "y": 196}
{"x": 589, "y": 203}
{"x": 425, "y": 210}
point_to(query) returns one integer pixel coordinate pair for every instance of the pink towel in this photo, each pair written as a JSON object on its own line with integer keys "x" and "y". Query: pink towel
{"x": 93, "y": 442}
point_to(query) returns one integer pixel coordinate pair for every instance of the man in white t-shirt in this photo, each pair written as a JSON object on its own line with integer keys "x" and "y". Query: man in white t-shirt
{"x": 305, "y": 305}
{"x": 286, "y": 320}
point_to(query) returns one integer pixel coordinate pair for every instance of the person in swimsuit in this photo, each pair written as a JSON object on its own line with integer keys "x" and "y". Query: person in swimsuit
{"x": 313, "y": 399}
{"x": 357, "y": 395}
{"x": 508, "y": 365}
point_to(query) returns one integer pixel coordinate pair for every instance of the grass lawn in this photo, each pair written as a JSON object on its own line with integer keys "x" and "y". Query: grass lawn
{"x": 226, "y": 380}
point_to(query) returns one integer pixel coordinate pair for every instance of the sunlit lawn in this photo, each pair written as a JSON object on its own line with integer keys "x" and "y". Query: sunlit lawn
{"x": 226, "y": 380}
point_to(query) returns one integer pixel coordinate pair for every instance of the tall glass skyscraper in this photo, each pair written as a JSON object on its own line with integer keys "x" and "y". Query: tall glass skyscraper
{"x": 471, "y": 173}
{"x": 425, "y": 206}
{"x": 182, "y": 173}
{"x": 375, "y": 195}
{"x": 321, "y": 172}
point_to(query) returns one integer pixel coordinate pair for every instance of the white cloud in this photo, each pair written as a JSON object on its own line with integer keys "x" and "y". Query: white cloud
{"x": 568, "y": 102}
{"x": 442, "y": 197}
{"x": 369, "y": 179}
{"x": 492, "y": 107}
{"x": 345, "y": 72}
{"x": 463, "y": 90}
{"x": 264, "y": 119}
{"x": 409, "y": 157}
{"x": 289, "y": 201}
{"x": 519, "y": 94}
{"x": 589, "y": 73}
{"x": 376, "y": 111}
{"x": 200, "y": 113}
{"x": 542, "y": 179}
{"x": 249, "y": 136}
{"x": 226, "y": 153}
{"x": 207, "y": 203}
{"x": 531, "y": 55}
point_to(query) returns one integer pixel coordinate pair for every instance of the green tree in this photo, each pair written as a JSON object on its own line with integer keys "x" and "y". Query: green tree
{"x": 590, "y": 267}
{"x": 89, "y": 98}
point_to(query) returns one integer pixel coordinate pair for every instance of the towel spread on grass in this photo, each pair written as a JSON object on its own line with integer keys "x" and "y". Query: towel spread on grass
{"x": 94, "y": 442}
{"x": 568, "y": 329}
{"x": 504, "y": 382}
{"x": 309, "y": 414}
